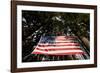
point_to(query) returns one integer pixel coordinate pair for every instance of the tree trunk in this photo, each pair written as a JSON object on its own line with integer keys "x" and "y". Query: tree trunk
{"x": 86, "y": 41}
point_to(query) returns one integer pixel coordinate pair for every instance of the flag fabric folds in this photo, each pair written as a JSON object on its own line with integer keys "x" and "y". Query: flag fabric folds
{"x": 58, "y": 45}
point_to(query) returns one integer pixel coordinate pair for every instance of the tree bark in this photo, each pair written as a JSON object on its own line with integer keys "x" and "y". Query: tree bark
{"x": 86, "y": 41}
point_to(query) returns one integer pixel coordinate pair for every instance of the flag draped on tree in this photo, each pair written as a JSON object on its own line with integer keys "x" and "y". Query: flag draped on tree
{"x": 58, "y": 45}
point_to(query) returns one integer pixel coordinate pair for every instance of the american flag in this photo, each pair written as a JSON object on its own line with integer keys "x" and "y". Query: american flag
{"x": 58, "y": 45}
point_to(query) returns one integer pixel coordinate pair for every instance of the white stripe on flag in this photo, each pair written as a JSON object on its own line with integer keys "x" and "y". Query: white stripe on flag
{"x": 58, "y": 51}
{"x": 59, "y": 44}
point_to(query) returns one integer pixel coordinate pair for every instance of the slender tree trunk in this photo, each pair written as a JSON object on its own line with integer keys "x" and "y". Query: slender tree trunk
{"x": 86, "y": 41}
